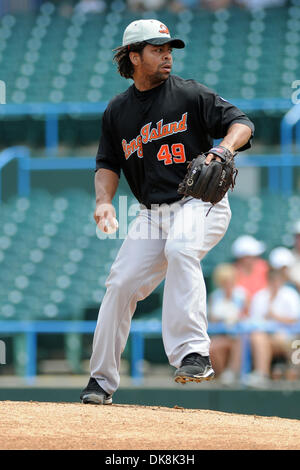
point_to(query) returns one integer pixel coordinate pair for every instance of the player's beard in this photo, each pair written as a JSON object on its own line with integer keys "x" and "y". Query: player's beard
{"x": 158, "y": 76}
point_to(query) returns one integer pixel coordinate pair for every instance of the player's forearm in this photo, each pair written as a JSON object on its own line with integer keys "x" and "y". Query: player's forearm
{"x": 237, "y": 136}
{"x": 106, "y": 184}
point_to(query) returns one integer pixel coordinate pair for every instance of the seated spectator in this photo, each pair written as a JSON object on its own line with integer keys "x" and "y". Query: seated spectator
{"x": 294, "y": 268}
{"x": 251, "y": 268}
{"x": 179, "y": 5}
{"x": 145, "y": 5}
{"x": 65, "y": 8}
{"x": 282, "y": 258}
{"x": 215, "y": 5}
{"x": 278, "y": 306}
{"x": 226, "y": 304}
{"x": 90, "y": 6}
{"x": 259, "y": 4}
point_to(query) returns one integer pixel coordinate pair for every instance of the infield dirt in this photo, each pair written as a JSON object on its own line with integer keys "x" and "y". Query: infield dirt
{"x": 72, "y": 426}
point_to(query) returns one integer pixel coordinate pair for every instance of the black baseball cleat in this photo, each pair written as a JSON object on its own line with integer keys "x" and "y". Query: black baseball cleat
{"x": 94, "y": 394}
{"x": 194, "y": 368}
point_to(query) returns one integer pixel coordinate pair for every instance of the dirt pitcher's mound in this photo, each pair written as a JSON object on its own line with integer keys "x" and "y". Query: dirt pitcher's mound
{"x": 32, "y": 425}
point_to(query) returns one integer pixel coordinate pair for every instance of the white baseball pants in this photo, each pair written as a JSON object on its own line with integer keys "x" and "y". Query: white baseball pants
{"x": 163, "y": 243}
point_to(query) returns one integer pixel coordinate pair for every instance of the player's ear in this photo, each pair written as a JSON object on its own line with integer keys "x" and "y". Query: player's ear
{"x": 134, "y": 57}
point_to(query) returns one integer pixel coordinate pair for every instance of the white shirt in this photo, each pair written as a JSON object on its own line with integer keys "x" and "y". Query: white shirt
{"x": 227, "y": 310}
{"x": 294, "y": 269}
{"x": 286, "y": 304}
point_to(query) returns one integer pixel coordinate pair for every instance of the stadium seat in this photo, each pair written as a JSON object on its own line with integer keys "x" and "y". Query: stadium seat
{"x": 80, "y": 48}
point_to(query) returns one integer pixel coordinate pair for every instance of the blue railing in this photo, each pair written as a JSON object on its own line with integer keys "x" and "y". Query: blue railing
{"x": 290, "y": 121}
{"x": 52, "y": 112}
{"x": 22, "y": 154}
{"x": 139, "y": 331}
{"x": 278, "y": 167}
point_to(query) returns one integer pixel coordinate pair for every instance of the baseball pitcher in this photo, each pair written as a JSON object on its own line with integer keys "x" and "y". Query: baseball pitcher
{"x": 160, "y": 133}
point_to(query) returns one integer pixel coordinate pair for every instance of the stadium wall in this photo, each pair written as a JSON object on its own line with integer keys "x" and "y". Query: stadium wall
{"x": 281, "y": 403}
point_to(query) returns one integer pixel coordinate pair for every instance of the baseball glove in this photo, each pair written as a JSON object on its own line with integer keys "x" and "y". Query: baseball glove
{"x": 210, "y": 182}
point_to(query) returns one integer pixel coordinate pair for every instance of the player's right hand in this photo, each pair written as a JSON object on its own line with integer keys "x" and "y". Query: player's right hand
{"x": 104, "y": 216}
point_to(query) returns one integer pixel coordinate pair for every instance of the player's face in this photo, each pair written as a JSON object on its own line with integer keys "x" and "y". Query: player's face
{"x": 156, "y": 62}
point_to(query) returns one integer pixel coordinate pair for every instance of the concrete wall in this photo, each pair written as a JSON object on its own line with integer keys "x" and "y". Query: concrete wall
{"x": 284, "y": 404}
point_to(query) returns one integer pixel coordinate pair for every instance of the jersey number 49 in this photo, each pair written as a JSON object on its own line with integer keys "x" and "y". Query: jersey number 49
{"x": 175, "y": 154}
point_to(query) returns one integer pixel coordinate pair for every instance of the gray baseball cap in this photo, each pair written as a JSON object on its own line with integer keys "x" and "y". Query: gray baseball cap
{"x": 152, "y": 31}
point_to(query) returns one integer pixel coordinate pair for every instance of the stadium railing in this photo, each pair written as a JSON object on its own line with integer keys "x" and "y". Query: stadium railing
{"x": 139, "y": 330}
{"x": 289, "y": 122}
{"x": 280, "y": 172}
{"x": 52, "y": 112}
{"x": 276, "y": 165}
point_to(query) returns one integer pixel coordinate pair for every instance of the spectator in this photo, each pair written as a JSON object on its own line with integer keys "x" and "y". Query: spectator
{"x": 179, "y": 5}
{"x": 260, "y": 4}
{"x": 90, "y": 6}
{"x": 215, "y": 5}
{"x": 283, "y": 259}
{"x": 65, "y": 8}
{"x": 145, "y": 5}
{"x": 294, "y": 269}
{"x": 278, "y": 305}
{"x": 226, "y": 304}
{"x": 251, "y": 268}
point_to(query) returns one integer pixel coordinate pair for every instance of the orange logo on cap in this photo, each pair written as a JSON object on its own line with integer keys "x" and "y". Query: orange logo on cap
{"x": 164, "y": 29}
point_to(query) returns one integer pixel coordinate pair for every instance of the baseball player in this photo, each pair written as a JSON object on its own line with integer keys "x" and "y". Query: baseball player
{"x": 151, "y": 132}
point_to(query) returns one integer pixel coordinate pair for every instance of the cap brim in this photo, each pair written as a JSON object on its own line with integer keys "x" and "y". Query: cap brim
{"x": 177, "y": 43}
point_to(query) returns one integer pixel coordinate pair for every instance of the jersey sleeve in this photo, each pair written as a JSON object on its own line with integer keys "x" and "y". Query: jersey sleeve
{"x": 218, "y": 115}
{"x": 106, "y": 156}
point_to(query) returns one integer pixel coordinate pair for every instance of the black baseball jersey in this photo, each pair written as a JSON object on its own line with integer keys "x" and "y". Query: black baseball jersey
{"x": 151, "y": 135}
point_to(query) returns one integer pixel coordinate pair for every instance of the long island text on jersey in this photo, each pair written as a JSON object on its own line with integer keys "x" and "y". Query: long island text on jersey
{"x": 152, "y": 135}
